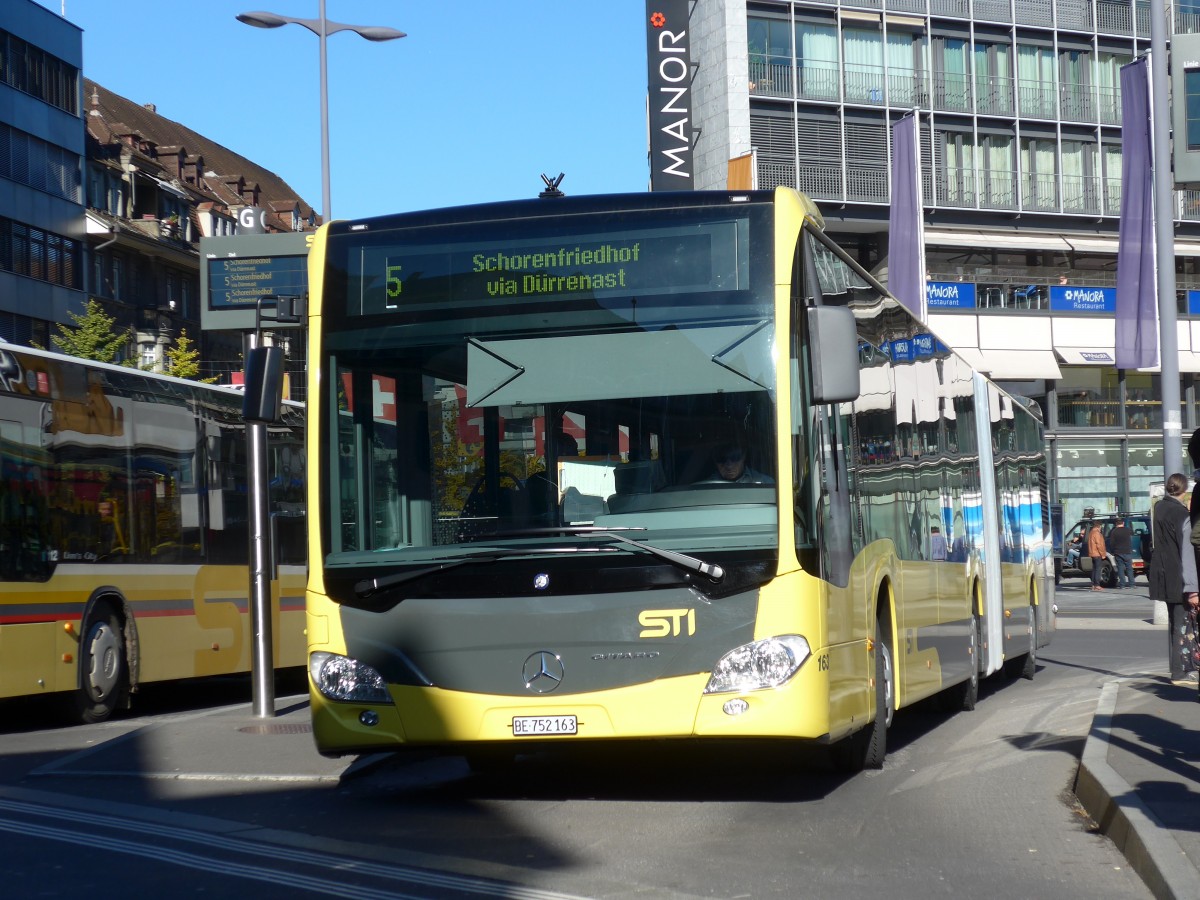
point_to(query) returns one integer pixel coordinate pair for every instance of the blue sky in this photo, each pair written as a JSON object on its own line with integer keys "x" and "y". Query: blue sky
{"x": 476, "y": 103}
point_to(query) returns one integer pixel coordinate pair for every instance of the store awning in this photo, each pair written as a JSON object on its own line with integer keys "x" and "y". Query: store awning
{"x": 1087, "y": 356}
{"x": 1020, "y": 364}
{"x": 1015, "y": 240}
{"x": 1037, "y": 240}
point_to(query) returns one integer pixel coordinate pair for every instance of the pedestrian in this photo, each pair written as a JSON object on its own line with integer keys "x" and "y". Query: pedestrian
{"x": 1172, "y": 535}
{"x": 937, "y": 543}
{"x": 1098, "y": 553}
{"x": 1120, "y": 545}
{"x": 1194, "y": 504}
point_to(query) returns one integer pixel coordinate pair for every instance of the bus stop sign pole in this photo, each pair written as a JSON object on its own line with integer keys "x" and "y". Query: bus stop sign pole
{"x": 261, "y": 404}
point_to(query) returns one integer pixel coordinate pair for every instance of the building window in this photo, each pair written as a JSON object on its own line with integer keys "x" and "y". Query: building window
{"x": 993, "y": 79}
{"x": 1089, "y": 397}
{"x": 1075, "y": 67}
{"x": 1039, "y": 178}
{"x": 951, "y": 84}
{"x": 906, "y": 69}
{"x": 1080, "y": 176}
{"x": 34, "y": 71}
{"x": 862, "y": 49}
{"x": 817, "y": 67}
{"x": 770, "y": 56}
{"x": 1035, "y": 81}
{"x": 1087, "y": 477}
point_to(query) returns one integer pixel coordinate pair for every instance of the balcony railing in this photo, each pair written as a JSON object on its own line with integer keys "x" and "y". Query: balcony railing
{"x": 957, "y": 188}
{"x": 1036, "y": 99}
{"x": 994, "y": 95}
{"x": 864, "y": 84}
{"x": 1081, "y": 193}
{"x": 774, "y": 172}
{"x": 1034, "y": 12}
{"x": 989, "y": 10}
{"x": 1039, "y": 191}
{"x": 1108, "y": 104}
{"x": 819, "y": 81}
{"x": 771, "y": 76}
{"x": 1113, "y": 17}
{"x": 951, "y": 92}
{"x": 867, "y": 184}
{"x": 1077, "y": 103}
{"x": 1112, "y": 196}
{"x": 1074, "y": 14}
{"x": 907, "y": 89}
{"x": 998, "y": 190}
{"x": 820, "y": 181}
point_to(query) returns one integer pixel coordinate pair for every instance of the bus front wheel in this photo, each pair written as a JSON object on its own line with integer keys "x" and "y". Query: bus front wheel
{"x": 103, "y": 669}
{"x": 867, "y": 748}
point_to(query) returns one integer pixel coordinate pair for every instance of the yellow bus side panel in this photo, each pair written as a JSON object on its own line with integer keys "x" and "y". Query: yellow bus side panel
{"x": 188, "y": 624}
{"x": 918, "y": 666}
{"x": 30, "y": 657}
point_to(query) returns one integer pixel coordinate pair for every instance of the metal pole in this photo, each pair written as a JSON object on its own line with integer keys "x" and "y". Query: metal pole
{"x": 325, "y": 192}
{"x": 1164, "y": 243}
{"x": 262, "y": 662}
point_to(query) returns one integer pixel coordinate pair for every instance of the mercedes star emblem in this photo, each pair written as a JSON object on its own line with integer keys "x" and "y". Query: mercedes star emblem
{"x": 543, "y": 672}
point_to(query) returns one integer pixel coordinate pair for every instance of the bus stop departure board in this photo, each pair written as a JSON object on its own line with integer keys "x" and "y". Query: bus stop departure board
{"x": 238, "y": 270}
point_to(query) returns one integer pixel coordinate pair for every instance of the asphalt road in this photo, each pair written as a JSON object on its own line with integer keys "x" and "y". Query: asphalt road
{"x": 976, "y": 804}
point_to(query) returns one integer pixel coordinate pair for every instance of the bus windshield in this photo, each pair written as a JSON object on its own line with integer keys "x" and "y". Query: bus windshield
{"x": 491, "y": 380}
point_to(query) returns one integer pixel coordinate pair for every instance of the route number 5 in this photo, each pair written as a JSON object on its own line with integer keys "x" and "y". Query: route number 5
{"x": 394, "y": 284}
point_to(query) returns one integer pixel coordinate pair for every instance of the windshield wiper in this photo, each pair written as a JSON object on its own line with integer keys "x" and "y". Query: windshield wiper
{"x": 369, "y": 587}
{"x": 712, "y": 571}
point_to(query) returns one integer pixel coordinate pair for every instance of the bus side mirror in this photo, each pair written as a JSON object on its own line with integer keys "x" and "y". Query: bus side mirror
{"x": 833, "y": 354}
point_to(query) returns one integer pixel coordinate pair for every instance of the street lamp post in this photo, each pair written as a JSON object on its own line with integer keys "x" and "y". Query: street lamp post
{"x": 322, "y": 28}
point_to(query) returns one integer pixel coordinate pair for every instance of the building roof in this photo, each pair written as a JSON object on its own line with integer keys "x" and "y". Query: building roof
{"x": 211, "y": 170}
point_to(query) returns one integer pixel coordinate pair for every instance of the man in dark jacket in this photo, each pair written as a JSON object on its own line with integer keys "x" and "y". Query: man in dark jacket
{"x": 1120, "y": 545}
{"x": 1172, "y": 534}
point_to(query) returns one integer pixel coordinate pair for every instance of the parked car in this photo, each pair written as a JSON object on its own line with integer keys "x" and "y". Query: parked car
{"x": 1075, "y": 561}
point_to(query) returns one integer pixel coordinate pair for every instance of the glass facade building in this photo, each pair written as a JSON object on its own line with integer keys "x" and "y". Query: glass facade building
{"x": 1019, "y": 112}
{"x": 42, "y": 240}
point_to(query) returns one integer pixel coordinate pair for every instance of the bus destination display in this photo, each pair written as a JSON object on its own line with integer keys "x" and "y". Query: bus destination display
{"x": 712, "y": 257}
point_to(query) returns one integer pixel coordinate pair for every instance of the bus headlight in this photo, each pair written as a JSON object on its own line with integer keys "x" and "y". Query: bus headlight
{"x": 342, "y": 678}
{"x": 763, "y": 664}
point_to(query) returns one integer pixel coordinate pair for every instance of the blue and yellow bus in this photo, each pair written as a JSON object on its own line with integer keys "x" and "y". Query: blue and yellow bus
{"x": 124, "y": 540}
{"x": 655, "y": 466}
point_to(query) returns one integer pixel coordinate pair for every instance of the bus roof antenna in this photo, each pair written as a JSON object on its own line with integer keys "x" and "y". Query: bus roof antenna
{"x": 551, "y": 187}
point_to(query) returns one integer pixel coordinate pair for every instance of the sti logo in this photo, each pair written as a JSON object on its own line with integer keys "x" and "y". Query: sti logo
{"x": 659, "y": 623}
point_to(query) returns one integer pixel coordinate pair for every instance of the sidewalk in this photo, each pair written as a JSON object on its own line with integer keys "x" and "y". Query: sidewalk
{"x": 1139, "y": 778}
{"x": 226, "y": 744}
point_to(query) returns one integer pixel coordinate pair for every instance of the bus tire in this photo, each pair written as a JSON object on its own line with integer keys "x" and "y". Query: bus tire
{"x": 103, "y": 666}
{"x": 867, "y": 747}
{"x": 965, "y": 695}
{"x": 1025, "y": 665}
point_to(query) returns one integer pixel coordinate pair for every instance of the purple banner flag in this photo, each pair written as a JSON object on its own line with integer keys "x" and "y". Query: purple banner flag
{"x": 906, "y": 231}
{"x": 1137, "y": 280}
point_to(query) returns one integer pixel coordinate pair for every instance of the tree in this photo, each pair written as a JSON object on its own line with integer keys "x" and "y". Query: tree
{"x": 92, "y": 336}
{"x": 183, "y": 360}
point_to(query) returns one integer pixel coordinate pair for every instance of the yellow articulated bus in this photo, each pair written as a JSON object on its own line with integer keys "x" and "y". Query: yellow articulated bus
{"x": 124, "y": 543}
{"x": 655, "y": 466}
